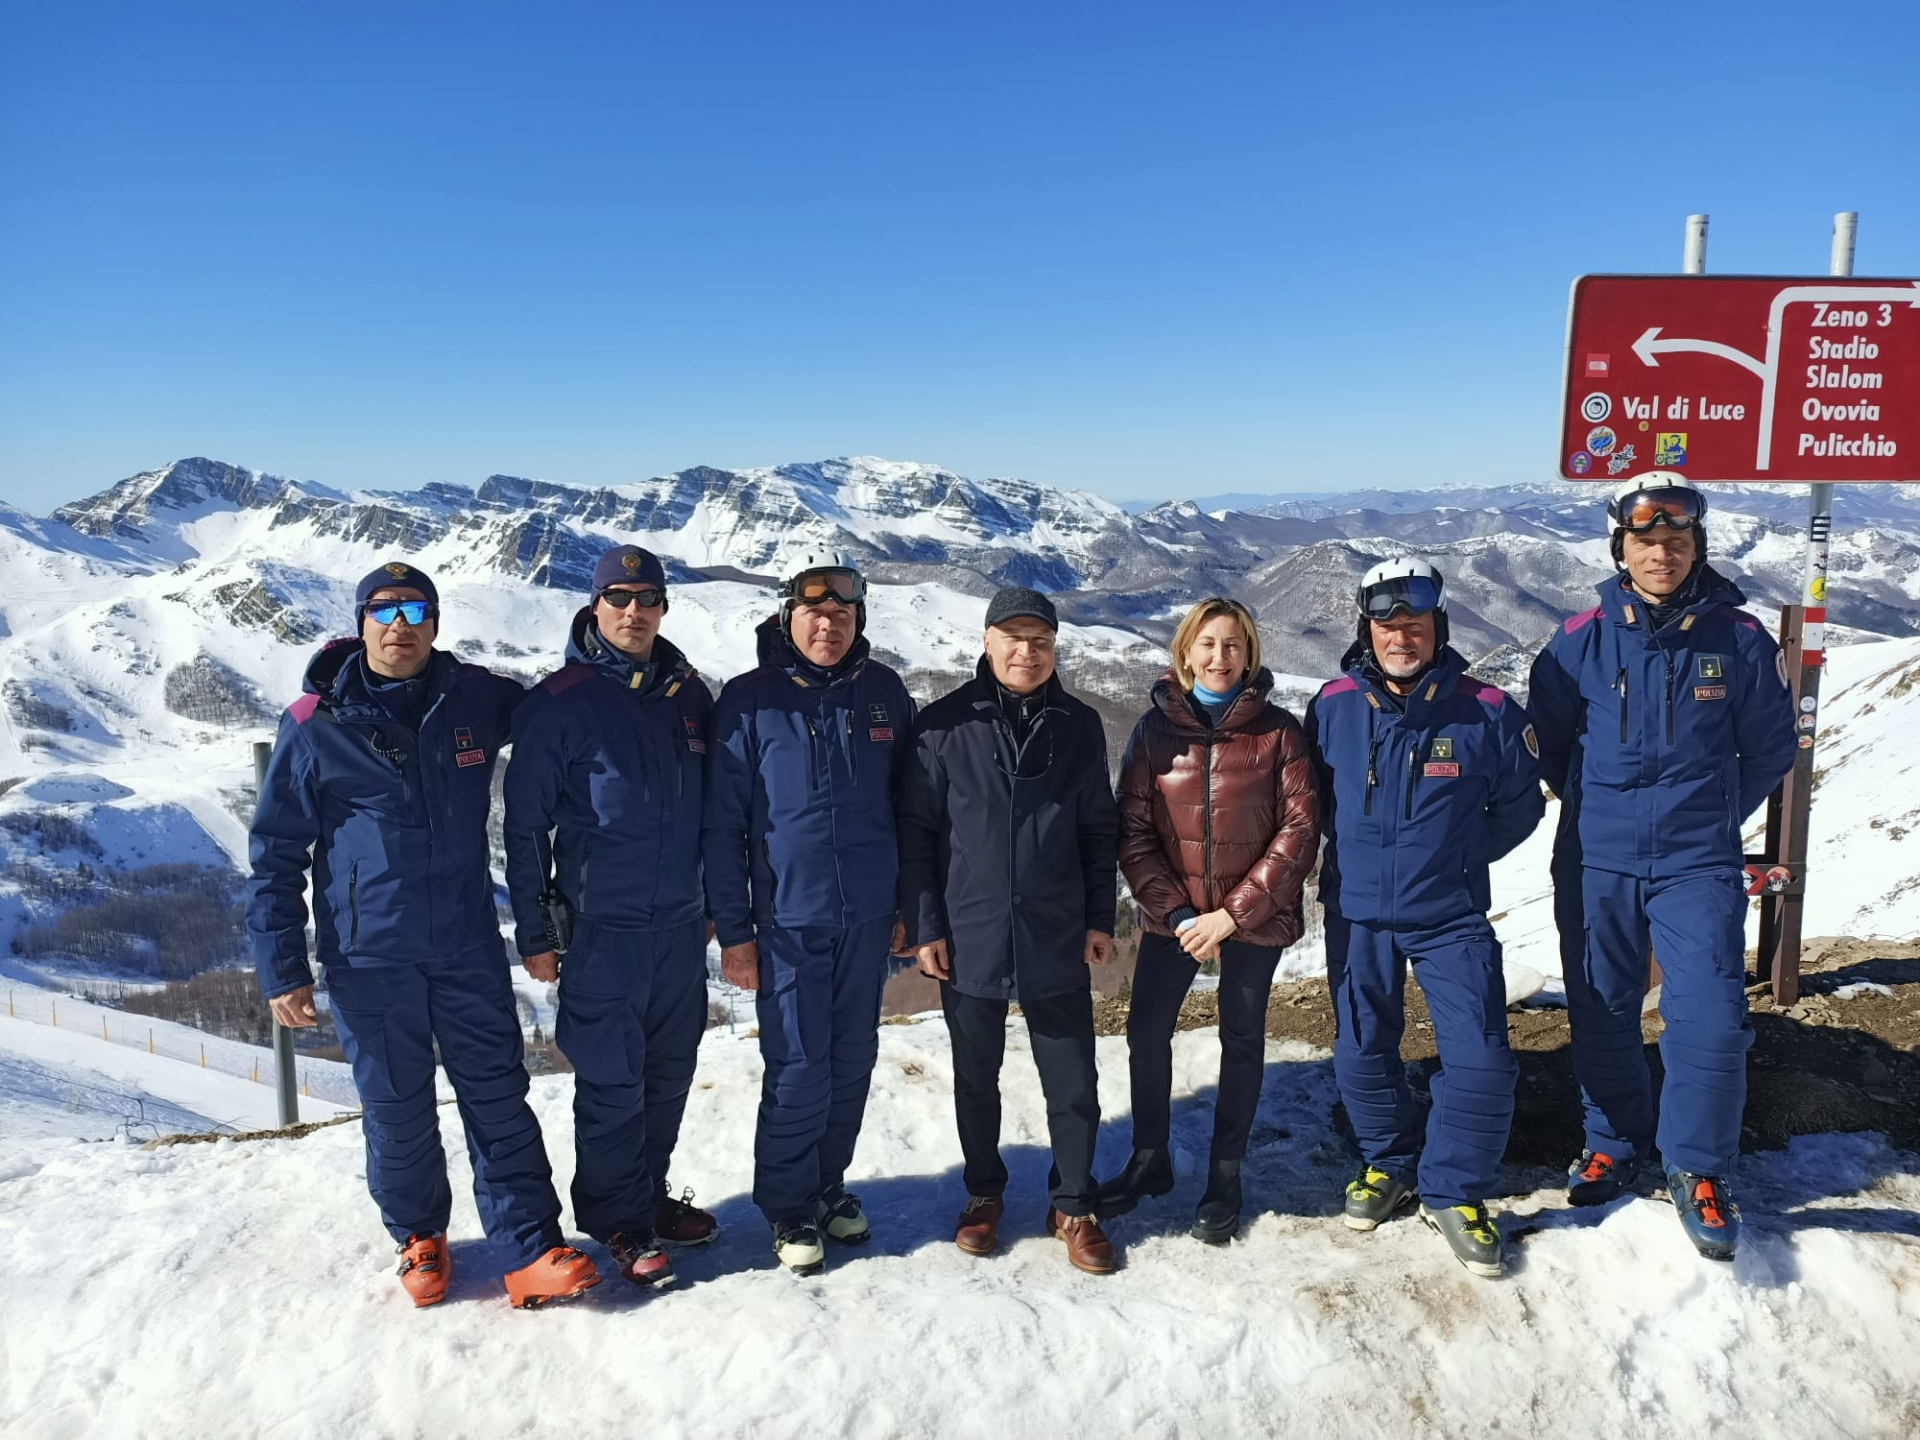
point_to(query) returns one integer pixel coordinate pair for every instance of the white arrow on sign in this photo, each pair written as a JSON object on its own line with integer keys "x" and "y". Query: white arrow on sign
{"x": 1650, "y": 345}
{"x": 1646, "y": 347}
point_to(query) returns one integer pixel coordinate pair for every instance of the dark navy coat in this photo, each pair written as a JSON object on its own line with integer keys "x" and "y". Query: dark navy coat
{"x": 1661, "y": 744}
{"x": 1008, "y": 850}
{"x": 609, "y": 759}
{"x": 1419, "y": 797}
{"x": 799, "y": 825}
{"x": 395, "y": 821}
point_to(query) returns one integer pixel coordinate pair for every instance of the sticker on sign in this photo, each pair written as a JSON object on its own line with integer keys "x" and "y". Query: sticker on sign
{"x": 1748, "y": 377}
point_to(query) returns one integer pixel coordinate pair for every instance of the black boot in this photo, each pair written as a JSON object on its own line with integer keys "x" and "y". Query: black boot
{"x": 1148, "y": 1172}
{"x": 1218, "y": 1220}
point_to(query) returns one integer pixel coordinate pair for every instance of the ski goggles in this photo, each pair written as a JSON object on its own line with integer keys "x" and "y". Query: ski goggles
{"x": 385, "y": 612}
{"x": 646, "y": 598}
{"x": 1676, "y": 509}
{"x": 817, "y": 587}
{"x": 1400, "y": 595}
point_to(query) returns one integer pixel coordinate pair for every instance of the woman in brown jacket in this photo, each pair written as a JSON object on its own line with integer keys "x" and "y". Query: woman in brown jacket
{"x": 1219, "y": 826}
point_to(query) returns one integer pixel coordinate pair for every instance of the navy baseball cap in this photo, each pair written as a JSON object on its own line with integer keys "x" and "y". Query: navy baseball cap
{"x": 398, "y": 575}
{"x": 628, "y": 565}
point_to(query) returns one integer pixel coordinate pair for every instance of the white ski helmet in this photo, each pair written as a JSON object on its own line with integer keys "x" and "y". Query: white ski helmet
{"x": 1659, "y": 497}
{"x": 1405, "y": 584}
{"x": 841, "y": 576}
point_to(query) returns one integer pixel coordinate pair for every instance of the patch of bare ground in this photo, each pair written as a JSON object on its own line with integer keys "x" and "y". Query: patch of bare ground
{"x": 1846, "y": 1058}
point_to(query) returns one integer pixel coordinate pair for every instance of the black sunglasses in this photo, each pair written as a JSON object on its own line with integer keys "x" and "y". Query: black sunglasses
{"x": 646, "y": 599}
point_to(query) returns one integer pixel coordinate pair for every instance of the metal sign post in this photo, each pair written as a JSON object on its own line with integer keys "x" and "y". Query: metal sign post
{"x": 286, "y": 1085}
{"x": 1789, "y": 814}
{"x": 1754, "y": 378}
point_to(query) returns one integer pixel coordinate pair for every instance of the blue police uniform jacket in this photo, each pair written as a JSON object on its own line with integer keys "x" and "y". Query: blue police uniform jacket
{"x": 1661, "y": 743}
{"x": 606, "y": 788}
{"x": 1418, "y": 796}
{"x": 799, "y": 826}
{"x": 395, "y": 819}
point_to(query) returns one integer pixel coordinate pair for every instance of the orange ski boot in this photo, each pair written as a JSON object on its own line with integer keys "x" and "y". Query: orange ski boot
{"x": 560, "y": 1274}
{"x": 425, "y": 1268}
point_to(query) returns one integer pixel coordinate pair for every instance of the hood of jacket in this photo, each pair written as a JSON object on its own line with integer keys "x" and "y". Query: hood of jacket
{"x": 337, "y": 675}
{"x": 989, "y": 690}
{"x": 774, "y": 646}
{"x": 1713, "y": 588}
{"x": 1174, "y": 701}
{"x": 1446, "y": 666}
{"x": 586, "y": 646}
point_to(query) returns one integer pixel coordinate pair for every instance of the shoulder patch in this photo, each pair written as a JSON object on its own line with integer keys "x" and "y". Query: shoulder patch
{"x": 1532, "y": 741}
{"x": 1585, "y": 617}
{"x": 1339, "y": 687}
{"x": 565, "y": 678}
{"x": 302, "y": 709}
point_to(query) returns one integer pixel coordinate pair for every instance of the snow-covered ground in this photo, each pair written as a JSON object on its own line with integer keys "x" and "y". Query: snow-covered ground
{"x": 71, "y": 1082}
{"x": 246, "y": 1289}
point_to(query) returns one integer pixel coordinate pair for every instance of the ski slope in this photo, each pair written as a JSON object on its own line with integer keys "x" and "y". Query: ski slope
{"x": 245, "y": 1289}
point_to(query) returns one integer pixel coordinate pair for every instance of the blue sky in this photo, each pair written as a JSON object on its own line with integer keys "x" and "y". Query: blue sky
{"x": 1149, "y": 250}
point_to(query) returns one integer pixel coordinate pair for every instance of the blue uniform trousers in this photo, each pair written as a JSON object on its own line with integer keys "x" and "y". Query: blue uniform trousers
{"x": 389, "y": 1019}
{"x": 633, "y": 1005}
{"x": 1458, "y": 966}
{"x": 819, "y": 1009}
{"x": 1695, "y": 926}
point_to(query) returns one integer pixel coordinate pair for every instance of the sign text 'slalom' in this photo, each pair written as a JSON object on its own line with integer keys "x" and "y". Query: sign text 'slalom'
{"x": 1743, "y": 378}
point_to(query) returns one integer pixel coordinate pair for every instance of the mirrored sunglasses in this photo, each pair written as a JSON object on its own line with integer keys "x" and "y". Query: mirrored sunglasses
{"x": 387, "y": 611}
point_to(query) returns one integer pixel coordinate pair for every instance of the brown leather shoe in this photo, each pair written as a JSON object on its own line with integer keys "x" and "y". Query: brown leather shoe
{"x": 978, "y": 1229}
{"x": 1087, "y": 1245}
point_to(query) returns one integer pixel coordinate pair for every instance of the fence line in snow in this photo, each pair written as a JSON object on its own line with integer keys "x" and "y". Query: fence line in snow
{"x": 137, "y": 1033}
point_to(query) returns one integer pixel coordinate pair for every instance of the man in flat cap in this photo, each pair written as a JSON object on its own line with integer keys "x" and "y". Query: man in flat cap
{"x": 1008, "y": 849}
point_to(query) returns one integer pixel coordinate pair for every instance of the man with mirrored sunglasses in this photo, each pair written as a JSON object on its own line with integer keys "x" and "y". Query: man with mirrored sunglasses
{"x": 800, "y": 869}
{"x": 381, "y": 781}
{"x": 604, "y": 804}
{"x": 1664, "y": 721}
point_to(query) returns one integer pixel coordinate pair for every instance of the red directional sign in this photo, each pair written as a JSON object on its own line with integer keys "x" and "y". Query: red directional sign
{"x": 1742, "y": 378}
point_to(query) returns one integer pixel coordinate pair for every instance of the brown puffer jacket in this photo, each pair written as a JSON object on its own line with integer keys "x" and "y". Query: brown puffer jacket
{"x": 1224, "y": 817}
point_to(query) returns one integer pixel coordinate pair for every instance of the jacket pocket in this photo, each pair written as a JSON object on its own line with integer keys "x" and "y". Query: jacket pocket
{"x": 353, "y": 905}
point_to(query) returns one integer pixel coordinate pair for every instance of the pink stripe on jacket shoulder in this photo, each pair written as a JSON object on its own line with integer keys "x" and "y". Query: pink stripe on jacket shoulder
{"x": 1583, "y": 618}
{"x": 1477, "y": 689}
{"x": 302, "y": 709}
{"x": 1339, "y": 687}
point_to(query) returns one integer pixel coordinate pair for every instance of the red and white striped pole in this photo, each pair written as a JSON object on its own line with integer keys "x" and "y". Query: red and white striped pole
{"x": 1780, "y": 931}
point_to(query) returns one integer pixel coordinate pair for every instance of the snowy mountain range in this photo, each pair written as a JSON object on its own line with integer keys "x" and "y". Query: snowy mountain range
{"x": 149, "y": 632}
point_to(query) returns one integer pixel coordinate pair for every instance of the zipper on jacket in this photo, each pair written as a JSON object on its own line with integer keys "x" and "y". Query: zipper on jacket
{"x": 1373, "y": 775}
{"x": 353, "y": 904}
{"x": 1620, "y": 684}
{"x": 1413, "y": 765}
{"x": 1206, "y": 824}
{"x": 1669, "y": 658}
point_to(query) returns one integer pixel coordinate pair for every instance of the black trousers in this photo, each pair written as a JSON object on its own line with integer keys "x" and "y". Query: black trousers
{"x": 1061, "y": 1029}
{"x": 1161, "y": 979}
